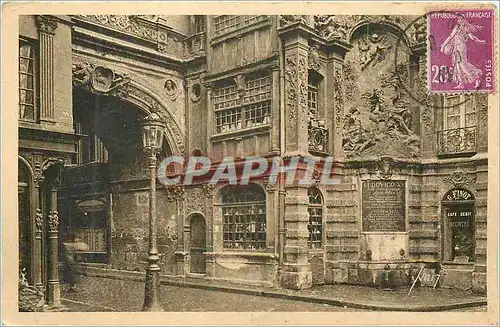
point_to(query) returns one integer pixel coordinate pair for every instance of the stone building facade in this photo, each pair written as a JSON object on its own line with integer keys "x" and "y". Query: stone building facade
{"x": 412, "y": 167}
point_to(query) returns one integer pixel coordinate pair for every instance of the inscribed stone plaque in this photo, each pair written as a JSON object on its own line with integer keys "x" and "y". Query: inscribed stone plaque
{"x": 383, "y": 208}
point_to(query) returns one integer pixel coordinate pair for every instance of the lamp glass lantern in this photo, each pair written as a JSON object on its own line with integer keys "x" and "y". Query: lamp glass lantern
{"x": 153, "y": 127}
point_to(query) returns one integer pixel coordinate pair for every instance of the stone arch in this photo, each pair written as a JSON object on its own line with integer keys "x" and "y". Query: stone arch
{"x": 49, "y": 162}
{"x": 148, "y": 101}
{"x": 134, "y": 91}
{"x": 192, "y": 214}
{"x": 315, "y": 188}
{"x": 27, "y": 164}
{"x": 252, "y": 185}
{"x": 393, "y": 28}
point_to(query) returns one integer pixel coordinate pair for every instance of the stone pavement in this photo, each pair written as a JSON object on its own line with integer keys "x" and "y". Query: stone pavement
{"x": 126, "y": 293}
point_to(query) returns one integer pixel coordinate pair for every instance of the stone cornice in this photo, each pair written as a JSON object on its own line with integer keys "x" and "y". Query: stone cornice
{"x": 419, "y": 163}
{"x": 104, "y": 44}
{"x": 137, "y": 30}
{"x": 136, "y": 25}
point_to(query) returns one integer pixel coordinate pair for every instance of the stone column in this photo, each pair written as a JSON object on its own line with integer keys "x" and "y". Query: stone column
{"x": 186, "y": 244}
{"x": 46, "y": 27}
{"x": 38, "y": 250}
{"x": 53, "y": 287}
{"x": 296, "y": 273}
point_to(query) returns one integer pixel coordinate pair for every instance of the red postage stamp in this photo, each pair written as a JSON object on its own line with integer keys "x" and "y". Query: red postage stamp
{"x": 461, "y": 49}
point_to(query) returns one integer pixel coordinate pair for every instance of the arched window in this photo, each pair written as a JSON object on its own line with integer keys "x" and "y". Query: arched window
{"x": 315, "y": 209}
{"x": 244, "y": 217}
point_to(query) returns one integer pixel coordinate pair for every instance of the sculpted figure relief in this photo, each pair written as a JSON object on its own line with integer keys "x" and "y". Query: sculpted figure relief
{"x": 372, "y": 49}
{"x": 419, "y": 31}
{"x": 356, "y": 138}
{"x": 314, "y": 60}
{"x": 378, "y": 113}
{"x": 97, "y": 78}
{"x": 82, "y": 72}
{"x": 331, "y": 27}
{"x": 290, "y": 19}
{"x": 380, "y": 123}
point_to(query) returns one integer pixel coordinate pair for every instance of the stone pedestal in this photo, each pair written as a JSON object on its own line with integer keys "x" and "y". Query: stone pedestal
{"x": 296, "y": 269}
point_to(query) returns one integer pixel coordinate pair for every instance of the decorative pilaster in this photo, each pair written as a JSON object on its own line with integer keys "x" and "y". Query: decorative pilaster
{"x": 427, "y": 111}
{"x": 210, "y": 119}
{"x": 53, "y": 287}
{"x": 296, "y": 115}
{"x": 175, "y": 193}
{"x": 296, "y": 272}
{"x": 482, "y": 122}
{"x": 335, "y": 137}
{"x": 275, "y": 110}
{"x": 211, "y": 221}
{"x": 46, "y": 27}
{"x": 272, "y": 211}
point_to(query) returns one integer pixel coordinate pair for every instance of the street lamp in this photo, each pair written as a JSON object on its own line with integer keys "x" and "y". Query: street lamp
{"x": 153, "y": 127}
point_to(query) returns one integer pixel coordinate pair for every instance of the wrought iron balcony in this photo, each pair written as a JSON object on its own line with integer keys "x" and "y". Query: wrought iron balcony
{"x": 457, "y": 141}
{"x": 318, "y": 139}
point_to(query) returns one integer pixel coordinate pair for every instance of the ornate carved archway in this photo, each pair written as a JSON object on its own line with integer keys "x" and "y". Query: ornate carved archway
{"x": 106, "y": 81}
{"x": 342, "y": 27}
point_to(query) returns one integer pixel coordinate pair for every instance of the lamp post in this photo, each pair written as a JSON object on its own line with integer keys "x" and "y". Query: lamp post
{"x": 153, "y": 127}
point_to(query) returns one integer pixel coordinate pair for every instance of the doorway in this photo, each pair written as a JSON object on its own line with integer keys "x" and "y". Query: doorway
{"x": 458, "y": 226}
{"x": 197, "y": 244}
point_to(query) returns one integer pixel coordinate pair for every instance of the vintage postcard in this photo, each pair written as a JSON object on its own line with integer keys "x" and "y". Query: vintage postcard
{"x": 249, "y": 163}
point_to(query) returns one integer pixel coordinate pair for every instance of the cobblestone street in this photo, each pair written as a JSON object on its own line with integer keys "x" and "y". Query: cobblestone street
{"x": 106, "y": 294}
{"x": 128, "y": 296}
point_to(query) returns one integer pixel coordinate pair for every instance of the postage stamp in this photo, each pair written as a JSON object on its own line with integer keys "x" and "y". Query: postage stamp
{"x": 249, "y": 163}
{"x": 461, "y": 45}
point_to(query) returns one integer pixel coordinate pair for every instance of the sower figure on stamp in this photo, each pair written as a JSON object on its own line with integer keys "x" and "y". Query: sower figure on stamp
{"x": 456, "y": 45}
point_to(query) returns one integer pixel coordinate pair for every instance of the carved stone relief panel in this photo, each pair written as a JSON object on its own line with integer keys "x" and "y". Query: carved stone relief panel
{"x": 378, "y": 115}
{"x": 341, "y": 27}
{"x": 195, "y": 199}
